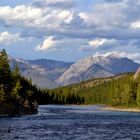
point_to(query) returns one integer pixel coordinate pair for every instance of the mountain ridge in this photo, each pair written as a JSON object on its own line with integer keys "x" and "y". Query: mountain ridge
{"x": 112, "y": 65}
{"x": 47, "y": 73}
{"x": 41, "y": 75}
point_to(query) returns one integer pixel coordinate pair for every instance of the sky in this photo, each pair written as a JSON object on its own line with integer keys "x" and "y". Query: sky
{"x": 70, "y": 30}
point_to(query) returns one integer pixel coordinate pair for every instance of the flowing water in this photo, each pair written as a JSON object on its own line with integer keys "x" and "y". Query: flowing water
{"x": 55, "y": 122}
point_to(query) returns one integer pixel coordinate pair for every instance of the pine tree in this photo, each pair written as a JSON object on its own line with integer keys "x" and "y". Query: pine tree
{"x": 16, "y": 71}
{"x": 5, "y": 73}
{"x": 15, "y": 90}
{"x": 29, "y": 93}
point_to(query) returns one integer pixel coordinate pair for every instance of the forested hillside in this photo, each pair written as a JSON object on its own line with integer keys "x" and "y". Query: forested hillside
{"x": 15, "y": 91}
{"x": 121, "y": 90}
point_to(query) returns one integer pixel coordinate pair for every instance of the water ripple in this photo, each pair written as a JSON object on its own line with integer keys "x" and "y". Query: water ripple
{"x": 72, "y": 123}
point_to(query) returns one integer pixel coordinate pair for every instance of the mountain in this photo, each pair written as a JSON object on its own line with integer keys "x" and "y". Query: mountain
{"x": 51, "y": 68}
{"x": 96, "y": 67}
{"x": 51, "y": 73}
{"x": 42, "y": 72}
{"x": 117, "y": 64}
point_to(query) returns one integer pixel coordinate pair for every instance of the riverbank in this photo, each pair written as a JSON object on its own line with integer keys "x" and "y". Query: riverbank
{"x": 102, "y": 107}
{"x": 123, "y": 109}
{"x": 17, "y": 108}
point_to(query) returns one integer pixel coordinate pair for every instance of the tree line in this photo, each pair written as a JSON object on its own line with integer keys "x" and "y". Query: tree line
{"x": 121, "y": 90}
{"x": 117, "y": 91}
{"x": 13, "y": 86}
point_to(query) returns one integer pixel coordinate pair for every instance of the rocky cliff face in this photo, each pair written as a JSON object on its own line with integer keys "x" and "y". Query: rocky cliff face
{"x": 96, "y": 67}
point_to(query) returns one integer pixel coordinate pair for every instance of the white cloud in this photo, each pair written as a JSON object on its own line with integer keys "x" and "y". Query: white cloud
{"x": 105, "y": 15}
{"x": 111, "y": 23}
{"x": 97, "y": 42}
{"x": 52, "y": 43}
{"x": 112, "y": 53}
{"x": 135, "y": 24}
{"x": 84, "y": 16}
{"x": 34, "y": 17}
{"x": 47, "y": 45}
{"x": 66, "y": 15}
{"x": 102, "y": 44}
{"x": 21, "y": 15}
{"x": 134, "y": 56}
{"x": 7, "y": 38}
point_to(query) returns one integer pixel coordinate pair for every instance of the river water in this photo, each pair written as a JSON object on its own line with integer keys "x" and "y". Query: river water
{"x": 55, "y": 122}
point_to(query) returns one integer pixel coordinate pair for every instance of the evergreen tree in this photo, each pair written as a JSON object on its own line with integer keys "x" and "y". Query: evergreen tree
{"x": 2, "y": 94}
{"x": 5, "y": 73}
{"x": 16, "y": 71}
{"x": 15, "y": 90}
{"x": 29, "y": 93}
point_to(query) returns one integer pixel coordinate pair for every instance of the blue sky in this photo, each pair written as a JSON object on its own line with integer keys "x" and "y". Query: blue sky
{"x": 69, "y": 30}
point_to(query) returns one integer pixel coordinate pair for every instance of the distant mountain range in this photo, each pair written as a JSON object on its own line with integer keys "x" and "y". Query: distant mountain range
{"x": 96, "y": 67}
{"x": 50, "y": 73}
{"x": 42, "y": 72}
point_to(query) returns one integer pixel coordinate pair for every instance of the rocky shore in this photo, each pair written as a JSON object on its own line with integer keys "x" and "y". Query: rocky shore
{"x": 17, "y": 108}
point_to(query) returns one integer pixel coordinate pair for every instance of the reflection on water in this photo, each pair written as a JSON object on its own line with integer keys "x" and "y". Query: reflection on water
{"x": 72, "y": 123}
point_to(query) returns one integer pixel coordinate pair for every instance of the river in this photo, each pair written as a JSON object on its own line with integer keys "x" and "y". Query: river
{"x": 55, "y": 122}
